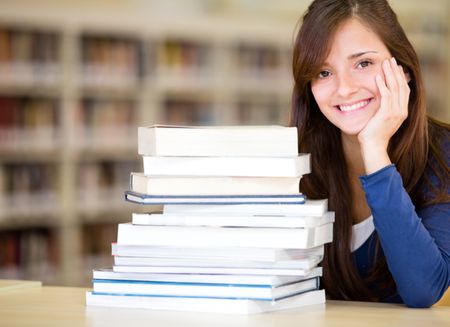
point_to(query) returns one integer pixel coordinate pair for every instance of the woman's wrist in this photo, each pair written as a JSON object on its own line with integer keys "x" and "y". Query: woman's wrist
{"x": 375, "y": 157}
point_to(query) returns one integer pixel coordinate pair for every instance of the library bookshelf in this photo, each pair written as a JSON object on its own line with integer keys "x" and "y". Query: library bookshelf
{"x": 74, "y": 86}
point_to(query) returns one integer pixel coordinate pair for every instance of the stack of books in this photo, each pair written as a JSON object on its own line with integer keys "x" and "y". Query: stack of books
{"x": 235, "y": 234}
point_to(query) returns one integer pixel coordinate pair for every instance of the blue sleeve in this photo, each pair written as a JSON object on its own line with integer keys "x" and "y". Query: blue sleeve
{"x": 416, "y": 244}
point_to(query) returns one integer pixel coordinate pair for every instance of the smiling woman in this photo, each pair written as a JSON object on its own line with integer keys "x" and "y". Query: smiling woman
{"x": 359, "y": 106}
{"x": 345, "y": 88}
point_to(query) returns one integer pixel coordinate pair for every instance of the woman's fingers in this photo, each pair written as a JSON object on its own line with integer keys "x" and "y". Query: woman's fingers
{"x": 397, "y": 85}
{"x": 391, "y": 81}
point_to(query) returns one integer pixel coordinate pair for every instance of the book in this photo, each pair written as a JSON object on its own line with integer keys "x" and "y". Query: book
{"x": 212, "y": 270}
{"x": 314, "y": 208}
{"x": 221, "y": 141}
{"x": 256, "y": 254}
{"x": 259, "y": 199}
{"x": 206, "y": 278}
{"x": 212, "y": 185}
{"x": 203, "y": 290}
{"x": 228, "y": 166}
{"x": 230, "y": 220}
{"x": 289, "y": 238}
{"x": 233, "y": 306}
{"x": 308, "y": 262}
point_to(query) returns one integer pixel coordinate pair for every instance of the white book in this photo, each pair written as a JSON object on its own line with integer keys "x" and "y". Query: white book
{"x": 287, "y": 238}
{"x": 272, "y": 280}
{"x": 211, "y": 185}
{"x": 203, "y": 290}
{"x": 259, "y": 199}
{"x": 227, "y": 166}
{"x": 304, "y": 263}
{"x": 204, "y": 304}
{"x": 237, "y": 254}
{"x": 212, "y": 270}
{"x": 312, "y": 208}
{"x": 230, "y": 220}
{"x": 222, "y": 141}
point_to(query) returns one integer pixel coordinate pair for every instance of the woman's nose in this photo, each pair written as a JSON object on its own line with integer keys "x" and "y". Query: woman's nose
{"x": 346, "y": 85}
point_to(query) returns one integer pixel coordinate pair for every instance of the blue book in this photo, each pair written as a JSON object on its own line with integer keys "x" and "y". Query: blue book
{"x": 141, "y": 198}
{"x": 203, "y": 290}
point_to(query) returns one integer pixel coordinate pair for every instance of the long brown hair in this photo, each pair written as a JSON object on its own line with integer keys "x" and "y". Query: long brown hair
{"x": 410, "y": 148}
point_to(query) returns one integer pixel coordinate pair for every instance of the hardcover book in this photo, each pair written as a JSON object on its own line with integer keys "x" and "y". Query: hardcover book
{"x": 212, "y": 199}
{"x": 227, "y": 166}
{"x": 221, "y": 141}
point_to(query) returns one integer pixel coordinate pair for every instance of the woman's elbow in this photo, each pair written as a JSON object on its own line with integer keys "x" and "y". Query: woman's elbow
{"x": 421, "y": 301}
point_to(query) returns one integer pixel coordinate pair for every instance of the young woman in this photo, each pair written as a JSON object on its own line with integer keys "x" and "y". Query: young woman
{"x": 359, "y": 106}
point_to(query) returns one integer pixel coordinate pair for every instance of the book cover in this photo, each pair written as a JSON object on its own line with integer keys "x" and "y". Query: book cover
{"x": 230, "y": 220}
{"x": 260, "y": 141}
{"x": 213, "y": 270}
{"x": 212, "y": 185}
{"x": 307, "y": 262}
{"x": 314, "y": 208}
{"x": 289, "y": 238}
{"x": 215, "y": 253}
{"x": 227, "y": 166}
{"x": 204, "y": 290}
{"x": 140, "y": 198}
{"x": 271, "y": 280}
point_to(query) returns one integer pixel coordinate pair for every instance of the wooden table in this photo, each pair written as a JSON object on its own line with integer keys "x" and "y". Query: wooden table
{"x": 65, "y": 306}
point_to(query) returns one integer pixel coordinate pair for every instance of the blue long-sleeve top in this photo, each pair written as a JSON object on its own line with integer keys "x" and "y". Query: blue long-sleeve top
{"x": 416, "y": 244}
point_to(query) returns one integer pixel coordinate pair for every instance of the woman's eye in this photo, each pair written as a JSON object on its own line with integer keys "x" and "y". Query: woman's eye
{"x": 324, "y": 74}
{"x": 364, "y": 63}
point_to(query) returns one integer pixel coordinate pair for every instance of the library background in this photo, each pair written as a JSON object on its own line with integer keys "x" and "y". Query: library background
{"x": 78, "y": 77}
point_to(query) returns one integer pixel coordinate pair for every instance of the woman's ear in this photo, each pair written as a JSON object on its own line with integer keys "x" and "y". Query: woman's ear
{"x": 408, "y": 77}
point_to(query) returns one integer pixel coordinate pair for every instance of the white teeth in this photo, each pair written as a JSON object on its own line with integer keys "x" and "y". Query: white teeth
{"x": 354, "y": 106}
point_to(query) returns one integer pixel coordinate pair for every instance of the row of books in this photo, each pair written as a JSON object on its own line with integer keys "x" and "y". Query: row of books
{"x": 103, "y": 58}
{"x": 100, "y": 184}
{"x": 258, "y": 60}
{"x": 29, "y": 253}
{"x": 35, "y": 123}
{"x": 28, "y": 122}
{"x": 28, "y": 112}
{"x": 28, "y": 56}
{"x": 20, "y": 45}
{"x": 234, "y": 235}
{"x": 122, "y": 56}
{"x": 185, "y": 57}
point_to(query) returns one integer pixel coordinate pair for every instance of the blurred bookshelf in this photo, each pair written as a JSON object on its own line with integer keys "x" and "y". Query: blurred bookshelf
{"x": 76, "y": 80}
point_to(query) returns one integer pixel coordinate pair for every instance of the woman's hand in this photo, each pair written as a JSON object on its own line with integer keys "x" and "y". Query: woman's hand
{"x": 375, "y": 136}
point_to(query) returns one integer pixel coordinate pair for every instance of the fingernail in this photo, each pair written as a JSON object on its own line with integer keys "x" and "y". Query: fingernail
{"x": 393, "y": 60}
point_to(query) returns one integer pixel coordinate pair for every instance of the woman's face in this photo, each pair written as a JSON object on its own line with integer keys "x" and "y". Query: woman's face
{"x": 345, "y": 89}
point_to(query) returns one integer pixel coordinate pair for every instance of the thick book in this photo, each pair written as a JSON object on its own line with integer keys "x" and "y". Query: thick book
{"x": 271, "y": 280}
{"x": 313, "y": 208}
{"x": 287, "y": 238}
{"x": 230, "y": 220}
{"x": 227, "y": 166}
{"x": 221, "y": 141}
{"x": 308, "y": 262}
{"x": 212, "y": 185}
{"x": 234, "y": 306}
{"x": 259, "y": 199}
{"x": 203, "y": 290}
{"x": 241, "y": 254}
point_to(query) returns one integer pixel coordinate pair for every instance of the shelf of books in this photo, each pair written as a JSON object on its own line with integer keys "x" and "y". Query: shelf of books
{"x": 74, "y": 87}
{"x": 428, "y": 28}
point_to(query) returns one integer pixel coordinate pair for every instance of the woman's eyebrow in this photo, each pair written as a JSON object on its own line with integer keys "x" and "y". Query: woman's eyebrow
{"x": 359, "y": 54}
